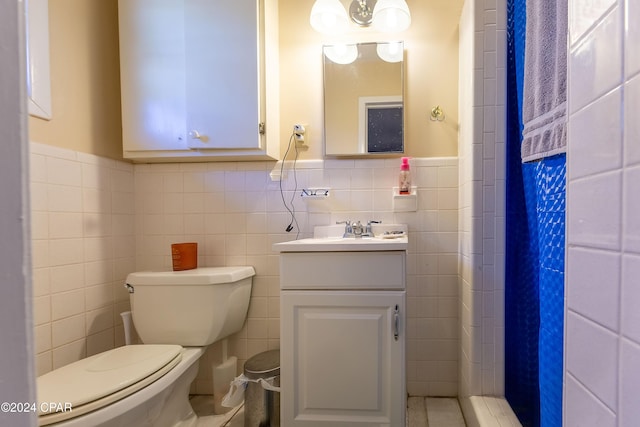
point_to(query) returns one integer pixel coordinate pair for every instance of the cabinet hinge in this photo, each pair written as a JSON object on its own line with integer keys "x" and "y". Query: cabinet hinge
{"x": 262, "y": 128}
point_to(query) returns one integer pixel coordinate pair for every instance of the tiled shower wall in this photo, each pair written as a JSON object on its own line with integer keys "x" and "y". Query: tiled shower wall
{"x": 82, "y": 223}
{"x": 482, "y": 196}
{"x": 603, "y": 225}
{"x": 95, "y": 220}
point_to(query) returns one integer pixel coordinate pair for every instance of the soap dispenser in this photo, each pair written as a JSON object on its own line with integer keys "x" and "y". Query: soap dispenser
{"x": 404, "y": 180}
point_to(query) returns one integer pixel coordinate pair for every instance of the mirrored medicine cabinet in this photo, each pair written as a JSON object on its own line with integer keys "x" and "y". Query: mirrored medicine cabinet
{"x": 363, "y": 99}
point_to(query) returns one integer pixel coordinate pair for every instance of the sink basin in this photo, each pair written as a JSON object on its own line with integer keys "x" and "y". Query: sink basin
{"x": 328, "y": 238}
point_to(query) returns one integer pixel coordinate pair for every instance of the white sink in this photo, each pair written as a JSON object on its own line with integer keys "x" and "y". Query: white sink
{"x": 328, "y": 238}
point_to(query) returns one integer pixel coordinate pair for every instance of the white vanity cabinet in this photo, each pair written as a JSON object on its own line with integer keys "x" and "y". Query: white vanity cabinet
{"x": 193, "y": 76}
{"x": 342, "y": 343}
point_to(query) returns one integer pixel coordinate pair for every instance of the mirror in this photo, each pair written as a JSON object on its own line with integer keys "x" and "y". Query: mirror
{"x": 363, "y": 99}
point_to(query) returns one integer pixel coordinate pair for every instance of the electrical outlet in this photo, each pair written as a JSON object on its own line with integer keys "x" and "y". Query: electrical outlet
{"x": 298, "y": 132}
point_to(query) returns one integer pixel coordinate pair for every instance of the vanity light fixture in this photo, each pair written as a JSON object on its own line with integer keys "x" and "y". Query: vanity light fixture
{"x": 330, "y": 17}
{"x": 346, "y": 53}
{"x": 391, "y": 16}
{"x": 390, "y": 51}
{"x": 361, "y": 12}
{"x": 341, "y": 53}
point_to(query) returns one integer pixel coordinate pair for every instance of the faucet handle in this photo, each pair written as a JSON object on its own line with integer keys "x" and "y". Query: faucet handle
{"x": 348, "y": 230}
{"x": 369, "y": 229}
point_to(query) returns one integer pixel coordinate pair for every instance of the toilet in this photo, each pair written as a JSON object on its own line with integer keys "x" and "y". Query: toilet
{"x": 176, "y": 314}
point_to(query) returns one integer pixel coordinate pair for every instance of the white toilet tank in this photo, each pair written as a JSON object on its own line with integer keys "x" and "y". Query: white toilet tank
{"x": 191, "y": 307}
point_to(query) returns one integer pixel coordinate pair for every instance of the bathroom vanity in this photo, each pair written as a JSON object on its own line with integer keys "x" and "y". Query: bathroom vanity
{"x": 343, "y": 331}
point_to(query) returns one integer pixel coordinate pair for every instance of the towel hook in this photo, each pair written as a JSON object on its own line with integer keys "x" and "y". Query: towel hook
{"x": 437, "y": 114}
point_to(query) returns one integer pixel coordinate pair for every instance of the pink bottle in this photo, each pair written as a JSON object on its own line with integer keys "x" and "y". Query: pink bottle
{"x": 404, "y": 182}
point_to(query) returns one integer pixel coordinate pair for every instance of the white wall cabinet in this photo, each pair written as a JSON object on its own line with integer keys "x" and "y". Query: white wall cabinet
{"x": 193, "y": 79}
{"x": 342, "y": 350}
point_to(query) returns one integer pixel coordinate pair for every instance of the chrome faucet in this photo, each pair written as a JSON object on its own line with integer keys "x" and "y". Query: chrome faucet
{"x": 358, "y": 229}
{"x": 348, "y": 229}
{"x": 368, "y": 232}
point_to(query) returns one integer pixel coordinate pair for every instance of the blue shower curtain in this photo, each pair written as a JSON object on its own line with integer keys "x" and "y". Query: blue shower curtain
{"x": 534, "y": 276}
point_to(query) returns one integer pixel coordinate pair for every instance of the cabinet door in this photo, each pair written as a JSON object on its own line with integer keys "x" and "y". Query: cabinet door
{"x": 342, "y": 358}
{"x": 222, "y": 45}
{"x": 193, "y": 76}
{"x": 152, "y": 75}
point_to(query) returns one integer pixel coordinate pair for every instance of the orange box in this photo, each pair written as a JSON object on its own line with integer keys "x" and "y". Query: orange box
{"x": 184, "y": 256}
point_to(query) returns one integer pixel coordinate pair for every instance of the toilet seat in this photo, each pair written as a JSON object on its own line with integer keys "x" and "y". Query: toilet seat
{"x": 92, "y": 383}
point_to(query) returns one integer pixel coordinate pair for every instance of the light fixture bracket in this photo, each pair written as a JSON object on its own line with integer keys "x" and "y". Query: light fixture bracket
{"x": 361, "y": 12}
{"x": 331, "y": 16}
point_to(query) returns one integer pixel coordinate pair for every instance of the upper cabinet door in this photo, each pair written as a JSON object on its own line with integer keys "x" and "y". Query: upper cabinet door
{"x": 193, "y": 78}
{"x": 223, "y": 54}
{"x": 152, "y": 75}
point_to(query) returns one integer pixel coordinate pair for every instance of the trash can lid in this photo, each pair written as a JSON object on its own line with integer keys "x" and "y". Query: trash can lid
{"x": 263, "y": 365}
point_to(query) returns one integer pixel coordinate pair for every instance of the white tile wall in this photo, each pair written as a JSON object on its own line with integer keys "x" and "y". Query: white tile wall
{"x": 482, "y": 197}
{"x": 630, "y": 316}
{"x": 589, "y": 269}
{"x": 632, "y": 127}
{"x": 602, "y": 206}
{"x": 582, "y": 410}
{"x": 95, "y": 220}
{"x": 629, "y": 410}
{"x": 82, "y": 237}
{"x": 582, "y": 333}
{"x": 596, "y": 59}
{"x": 603, "y": 141}
{"x": 235, "y": 213}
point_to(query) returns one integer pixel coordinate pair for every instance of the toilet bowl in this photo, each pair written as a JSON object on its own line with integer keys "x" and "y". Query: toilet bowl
{"x": 176, "y": 315}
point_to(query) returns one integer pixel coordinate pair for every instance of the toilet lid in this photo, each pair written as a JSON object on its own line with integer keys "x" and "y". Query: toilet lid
{"x": 94, "y": 382}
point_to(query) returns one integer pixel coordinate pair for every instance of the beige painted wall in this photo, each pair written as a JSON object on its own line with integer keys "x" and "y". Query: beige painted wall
{"x": 85, "y": 79}
{"x": 86, "y": 85}
{"x": 431, "y": 68}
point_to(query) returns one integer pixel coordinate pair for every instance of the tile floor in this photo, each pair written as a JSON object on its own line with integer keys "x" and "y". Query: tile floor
{"x": 421, "y": 412}
{"x": 203, "y": 406}
{"x": 434, "y": 412}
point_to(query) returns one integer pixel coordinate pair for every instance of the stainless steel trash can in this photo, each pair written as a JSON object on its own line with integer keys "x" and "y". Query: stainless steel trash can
{"x": 261, "y": 406}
